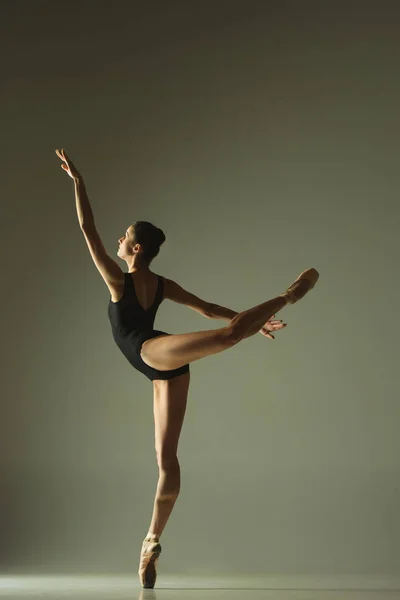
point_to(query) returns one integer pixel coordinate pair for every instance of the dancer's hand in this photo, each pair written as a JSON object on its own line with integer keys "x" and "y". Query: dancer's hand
{"x": 68, "y": 165}
{"x": 271, "y": 325}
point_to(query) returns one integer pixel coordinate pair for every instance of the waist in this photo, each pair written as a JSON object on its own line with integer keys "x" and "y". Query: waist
{"x": 119, "y": 331}
{"x": 125, "y": 325}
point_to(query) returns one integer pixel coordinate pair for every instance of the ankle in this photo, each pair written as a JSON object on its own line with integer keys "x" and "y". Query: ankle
{"x": 152, "y": 536}
{"x": 286, "y": 297}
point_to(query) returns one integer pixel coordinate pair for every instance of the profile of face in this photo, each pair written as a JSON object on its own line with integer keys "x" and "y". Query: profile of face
{"x": 125, "y": 242}
{"x": 127, "y": 246}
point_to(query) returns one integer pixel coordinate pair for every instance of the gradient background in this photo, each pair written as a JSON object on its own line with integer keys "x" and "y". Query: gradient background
{"x": 262, "y": 137}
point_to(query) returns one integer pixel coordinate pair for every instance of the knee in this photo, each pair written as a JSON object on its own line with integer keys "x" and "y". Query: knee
{"x": 167, "y": 461}
{"x": 234, "y": 333}
{"x": 169, "y": 477}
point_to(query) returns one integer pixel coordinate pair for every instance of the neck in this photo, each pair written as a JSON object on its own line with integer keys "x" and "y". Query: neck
{"x": 135, "y": 266}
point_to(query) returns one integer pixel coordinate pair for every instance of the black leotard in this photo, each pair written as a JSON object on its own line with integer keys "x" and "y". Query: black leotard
{"x": 132, "y": 325}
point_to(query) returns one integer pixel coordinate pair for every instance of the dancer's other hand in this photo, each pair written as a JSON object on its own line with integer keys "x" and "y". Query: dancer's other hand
{"x": 68, "y": 165}
{"x": 272, "y": 325}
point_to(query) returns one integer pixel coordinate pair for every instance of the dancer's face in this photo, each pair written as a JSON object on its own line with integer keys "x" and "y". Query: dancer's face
{"x": 125, "y": 243}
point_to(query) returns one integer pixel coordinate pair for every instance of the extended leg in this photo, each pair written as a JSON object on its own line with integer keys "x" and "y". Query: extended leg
{"x": 250, "y": 321}
{"x": 173, "y": 351}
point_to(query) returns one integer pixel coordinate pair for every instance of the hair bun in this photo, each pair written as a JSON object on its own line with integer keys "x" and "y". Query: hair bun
{"x": 161, "y": 236}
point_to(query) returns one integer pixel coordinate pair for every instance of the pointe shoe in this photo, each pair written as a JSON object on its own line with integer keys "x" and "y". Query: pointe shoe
{"x": 151, "y": 550}
{"x": 303, "y": 284}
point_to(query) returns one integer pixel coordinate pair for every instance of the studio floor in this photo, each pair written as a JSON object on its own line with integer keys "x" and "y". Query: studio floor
{"x": 20, "y": 587}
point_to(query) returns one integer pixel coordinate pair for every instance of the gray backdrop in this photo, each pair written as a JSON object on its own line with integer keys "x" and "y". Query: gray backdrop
{"x": 262, "y": 137}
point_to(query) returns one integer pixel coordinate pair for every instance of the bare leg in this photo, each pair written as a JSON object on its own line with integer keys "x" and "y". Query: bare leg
{"x": 170, "y": 400}
{"x": 169, "y": 419}
{"x": 173, "y": 351}
{"x": 250, "y": 321}
{"x": 169, "y": 413}
{"x": 169, "y": 408}
{"x": 168, "y": 487}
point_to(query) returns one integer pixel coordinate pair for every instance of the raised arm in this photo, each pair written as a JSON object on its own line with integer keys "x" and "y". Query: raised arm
{"x": 83, "y": 208}
{"x": 107, "y": 267}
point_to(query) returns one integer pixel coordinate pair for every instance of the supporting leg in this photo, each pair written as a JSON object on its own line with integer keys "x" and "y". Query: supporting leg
{"x": 166, "y": 495}
{"x": 168, "y": 488}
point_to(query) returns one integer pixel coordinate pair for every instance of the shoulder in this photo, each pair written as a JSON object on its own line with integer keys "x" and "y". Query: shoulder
{"x": 162, "y": 284}
{"x": 117, "y": 288}
{"x": 165, "y": 283}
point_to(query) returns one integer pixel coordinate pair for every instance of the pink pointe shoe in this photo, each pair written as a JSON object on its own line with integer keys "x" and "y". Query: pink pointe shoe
{"x": 151, "y": 550}
{"x": 303, "y": 284}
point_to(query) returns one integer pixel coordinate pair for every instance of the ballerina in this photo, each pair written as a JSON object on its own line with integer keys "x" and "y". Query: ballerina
{"x": 162, "y": 357}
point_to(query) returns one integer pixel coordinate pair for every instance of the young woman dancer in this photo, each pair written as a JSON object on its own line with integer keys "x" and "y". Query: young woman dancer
{"x": 164, "y": 358}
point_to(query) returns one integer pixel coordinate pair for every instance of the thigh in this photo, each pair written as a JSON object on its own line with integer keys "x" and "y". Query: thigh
{"x": 170, "y": 399}
{"x": 172, "y": 351}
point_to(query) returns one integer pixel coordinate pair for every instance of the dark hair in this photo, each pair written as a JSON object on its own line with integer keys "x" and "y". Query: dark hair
{"x": 149, "y": 237}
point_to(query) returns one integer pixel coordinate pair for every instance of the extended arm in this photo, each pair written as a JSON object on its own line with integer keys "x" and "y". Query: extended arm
{"x": 83, "y": 208}
{"x": 215, "y": 311}
{"x": 110, "y": 271}
{"x": 220, "y": 312}
{"x": 173, "y": 291}
{"x": 107, "y": 267}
